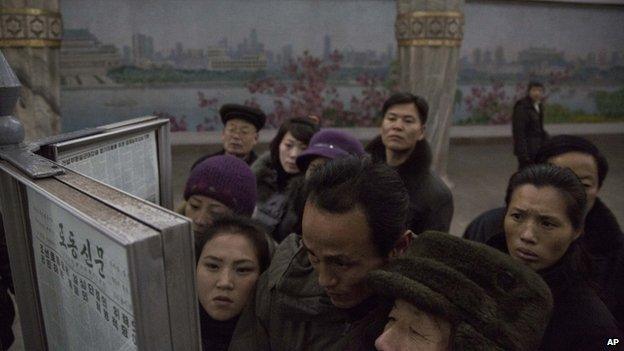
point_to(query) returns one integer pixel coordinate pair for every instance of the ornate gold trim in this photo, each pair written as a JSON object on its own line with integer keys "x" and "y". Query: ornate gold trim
{"x": 430, "y": 42}
{"x": 421, "y": 14}
{"x": 30, "y": 27}
{"x": 35, "y": 43}
{"x": 28, "y": 11}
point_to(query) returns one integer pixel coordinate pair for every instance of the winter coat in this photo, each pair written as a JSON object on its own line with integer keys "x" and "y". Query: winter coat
{"x": 602, "y": 240}
{"x": 293, "y": 212}
{"x": 290, "y": 311}
{"x": 431, "y": 201}
{"x": 580, "y": 320}
{"x": 273, "y": 195}
{"x": 250, "y": 159}
{"x": 528, "y": 129}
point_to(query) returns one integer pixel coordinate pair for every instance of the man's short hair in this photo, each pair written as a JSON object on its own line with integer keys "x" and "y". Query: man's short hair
{"x": 562, "y": 144}
{"x": 534, "y": 84}
{"x": 345, "y": 184}
{"x": 407, "y": 98}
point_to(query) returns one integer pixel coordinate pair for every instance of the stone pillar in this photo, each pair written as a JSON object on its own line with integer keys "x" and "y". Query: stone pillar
{"x": 429, "y": 34}
{"x": 30, "y": 38}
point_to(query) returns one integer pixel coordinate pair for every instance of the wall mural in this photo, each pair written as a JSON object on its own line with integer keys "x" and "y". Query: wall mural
{"x": 334, "y": 58}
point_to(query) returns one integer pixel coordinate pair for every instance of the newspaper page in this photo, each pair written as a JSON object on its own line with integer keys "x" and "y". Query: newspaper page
{"x": 83, "y": 281}
{"x": 129, "y": 163}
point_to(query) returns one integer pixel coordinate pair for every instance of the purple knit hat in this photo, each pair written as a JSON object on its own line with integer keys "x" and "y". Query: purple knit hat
{"x": 226, "y": 179}
{"x": 330, "y": 143}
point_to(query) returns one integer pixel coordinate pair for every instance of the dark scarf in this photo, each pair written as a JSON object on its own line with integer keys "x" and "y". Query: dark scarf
{"x": 216, "y": 335}
{"x": 602, "y": 231}
{"x": 418, "y": 162}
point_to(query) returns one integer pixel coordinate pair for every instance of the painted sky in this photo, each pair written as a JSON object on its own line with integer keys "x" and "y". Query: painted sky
{"x": 361, "y": 24}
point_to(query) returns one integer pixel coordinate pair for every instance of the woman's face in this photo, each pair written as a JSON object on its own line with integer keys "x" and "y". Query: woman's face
{"x": 585, "y": 168}
{"x": 227, "y": 272}
{"x": 409, "y": 328}
{"x": 202, "y": 210}
{"x": 537, "y": 227}
{"x": 289, "y": 149}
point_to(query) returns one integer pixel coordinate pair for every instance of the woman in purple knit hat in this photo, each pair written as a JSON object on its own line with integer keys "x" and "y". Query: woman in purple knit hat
{"x": 219, "y": 185}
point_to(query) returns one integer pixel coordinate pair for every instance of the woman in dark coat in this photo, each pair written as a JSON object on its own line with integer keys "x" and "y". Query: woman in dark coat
{"x": 602, "y": 237}
{"x": 231, "y": 256}
{"x": 275, "y": 170}
{"x": 543, "y": 220}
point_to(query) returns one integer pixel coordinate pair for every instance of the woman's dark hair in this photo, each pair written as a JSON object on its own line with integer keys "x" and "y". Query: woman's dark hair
{"x": 301, "y": 129}
{"x": 407, "y": 98}
{"x": 562, "y": 144}
{"x": 348, "y": 183}
{"x": 237, "y": 225}
{"x": 562, "y": 179}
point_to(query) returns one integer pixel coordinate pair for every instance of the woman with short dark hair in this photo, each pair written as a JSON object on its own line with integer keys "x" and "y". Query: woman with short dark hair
{"x": 544, "y": 218}
{"x": 275, "y": 169}
{"x": 232, "y": 255}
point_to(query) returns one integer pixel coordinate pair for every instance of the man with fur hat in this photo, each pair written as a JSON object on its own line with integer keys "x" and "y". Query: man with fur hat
{"x": 453, "y": 294}
{"x": 241, "y": 125}
{"x": 402, "y": 145}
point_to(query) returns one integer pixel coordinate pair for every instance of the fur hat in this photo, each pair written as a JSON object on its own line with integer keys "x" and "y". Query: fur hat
{"x": 252, "y": 115}
{"x": 226, "y": 179}
{"x": 493, "y": 302}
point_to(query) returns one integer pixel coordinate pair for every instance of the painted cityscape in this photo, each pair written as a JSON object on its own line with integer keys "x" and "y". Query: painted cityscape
{"x": 183, "y": 62}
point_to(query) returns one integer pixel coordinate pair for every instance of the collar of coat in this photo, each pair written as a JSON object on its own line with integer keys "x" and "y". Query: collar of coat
{"x": 602, "y": 231}
{"x": 268, "y": 175}
{"x": 418, "y": 162}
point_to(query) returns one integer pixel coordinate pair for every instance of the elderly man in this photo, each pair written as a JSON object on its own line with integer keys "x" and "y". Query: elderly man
{"x": 402, "y": 145}
{"x": 314, "y": 295}
{"x": 241, "y": 125}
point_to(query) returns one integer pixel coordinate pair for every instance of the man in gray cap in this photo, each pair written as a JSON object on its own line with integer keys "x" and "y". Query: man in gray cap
{"x": 241, "y": 125}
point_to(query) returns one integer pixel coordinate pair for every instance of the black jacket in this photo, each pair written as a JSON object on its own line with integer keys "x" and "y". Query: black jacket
{"x": 274, "y": 194}
{"x": 580, "y": 320}
{"x": 215, "y": 335}
{"x": 431, "y": 201}
{"x": 250, "y": 159}
{"x": 602, "y": 240}
{"x": 293, "y": 213}
{"x": 528, "y": 129}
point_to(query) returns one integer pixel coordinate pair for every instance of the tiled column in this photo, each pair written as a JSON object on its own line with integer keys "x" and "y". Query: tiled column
{"x": 30, "y": 38}
{"x": 429, "y": 34}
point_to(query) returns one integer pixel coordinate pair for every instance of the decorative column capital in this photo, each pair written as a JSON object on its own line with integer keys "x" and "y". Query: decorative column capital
{"x": 429, "y": 28}
{"x": 30, "y": 27}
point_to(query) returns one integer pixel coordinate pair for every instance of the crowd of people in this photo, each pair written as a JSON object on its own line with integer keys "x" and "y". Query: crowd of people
{"x": 322, "y": 243}
{"x": 360, "y": 255}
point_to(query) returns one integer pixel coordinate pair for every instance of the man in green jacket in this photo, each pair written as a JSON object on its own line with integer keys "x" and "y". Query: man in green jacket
{"x": 314, "y": 295}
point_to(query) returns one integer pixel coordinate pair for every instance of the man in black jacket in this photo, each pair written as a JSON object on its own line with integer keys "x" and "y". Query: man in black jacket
{"x": 402, "y": 145}
{"x": 241, "y": 125}
{"x": 528, "y": 124}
